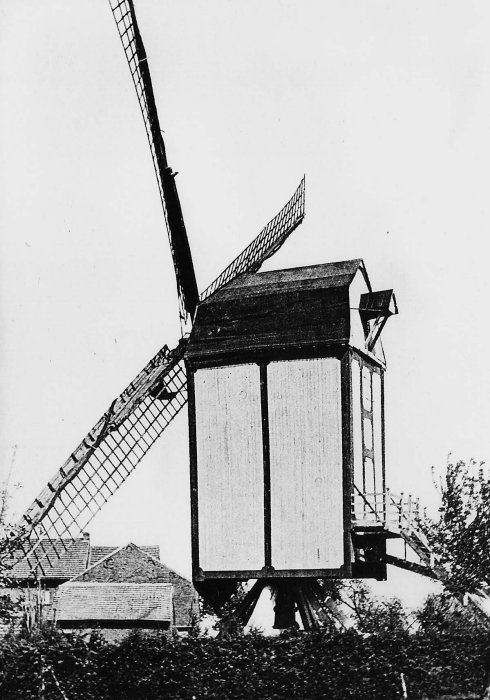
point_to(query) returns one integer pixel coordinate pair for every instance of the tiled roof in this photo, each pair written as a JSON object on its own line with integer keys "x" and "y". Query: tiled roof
{"x": 153, "y": 550}
{"x": 76, "y": 556}
{"x": 99, "y": 552}
{"x": 60, "y": 559}
{"x": 114, "y": 602}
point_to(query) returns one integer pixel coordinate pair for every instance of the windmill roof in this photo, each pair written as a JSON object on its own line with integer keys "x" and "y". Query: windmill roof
{"x": 283, "y": 309}
{"x": 324, "y": 276}
{"x": 114, "y": 602}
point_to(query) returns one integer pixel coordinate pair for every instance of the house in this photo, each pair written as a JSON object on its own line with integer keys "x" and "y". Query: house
{"x": 133, "y": 565}
{"x": 57, "y": 561}
{"x": 81, "y": 586}
{"x": 114, "y": 609}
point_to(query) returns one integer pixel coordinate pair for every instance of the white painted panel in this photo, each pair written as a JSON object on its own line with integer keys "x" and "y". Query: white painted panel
{"x": 377, "y": 428}
{"x": 356, "y": 424}
{"x": 306, "y": 463}
{"x": 230, "y": 468}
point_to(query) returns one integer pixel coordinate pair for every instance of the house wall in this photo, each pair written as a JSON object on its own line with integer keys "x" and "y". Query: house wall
{"x": 131, "y": 565}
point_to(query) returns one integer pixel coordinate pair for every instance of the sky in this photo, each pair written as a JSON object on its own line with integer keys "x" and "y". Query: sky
{"x": 383, "y": 105}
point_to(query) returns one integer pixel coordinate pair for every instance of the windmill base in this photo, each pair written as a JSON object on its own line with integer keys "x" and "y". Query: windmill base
{"x": 303, "y": 595}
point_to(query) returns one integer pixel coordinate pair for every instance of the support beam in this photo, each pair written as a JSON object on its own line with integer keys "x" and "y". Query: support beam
{"x": 247, "y": 606}
{"x": 411, "y": 566}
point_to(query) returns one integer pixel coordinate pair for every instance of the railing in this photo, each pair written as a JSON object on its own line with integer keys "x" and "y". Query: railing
{"x": 395, "y": 512}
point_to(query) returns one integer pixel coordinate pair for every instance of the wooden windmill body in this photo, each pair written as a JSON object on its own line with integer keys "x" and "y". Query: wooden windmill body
{"x": 284, "y": 375}
{"x": 281, "y": 433}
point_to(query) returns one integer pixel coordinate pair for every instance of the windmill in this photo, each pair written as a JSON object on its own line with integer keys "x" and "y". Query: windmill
{"x": 360, "y": 507}
{"x": 138, "y": 416}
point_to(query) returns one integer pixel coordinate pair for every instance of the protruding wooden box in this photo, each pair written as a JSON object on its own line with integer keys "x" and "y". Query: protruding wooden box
{"x": 285, "y": 379}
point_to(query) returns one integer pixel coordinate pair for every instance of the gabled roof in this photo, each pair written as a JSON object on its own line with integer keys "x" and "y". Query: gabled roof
{"x": 120, "y": 573}
{"x": 60, "y": 559}
{"x": 66, "y": 559}
{"x": 117, "y": 602}
{"x": 100, "y": 552}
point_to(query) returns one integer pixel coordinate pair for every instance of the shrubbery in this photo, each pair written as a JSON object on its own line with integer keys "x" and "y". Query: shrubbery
{"x": 301, "y": 665}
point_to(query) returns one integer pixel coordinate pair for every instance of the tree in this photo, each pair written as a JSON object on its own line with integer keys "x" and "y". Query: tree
{"x": 372, "y": 615}
{"x": 10, "y": 537}
{"x": 460, "y": 536}
{"x": 442, "y": 613}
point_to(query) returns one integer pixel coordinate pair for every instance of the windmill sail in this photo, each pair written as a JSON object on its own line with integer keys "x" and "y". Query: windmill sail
{"x": 105, "y": 457}
{"x": 134, "y": 49}
{"x": 269, "y": 240}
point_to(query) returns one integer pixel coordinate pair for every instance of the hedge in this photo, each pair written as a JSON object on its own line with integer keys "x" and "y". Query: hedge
{"x": 302, "y": 665}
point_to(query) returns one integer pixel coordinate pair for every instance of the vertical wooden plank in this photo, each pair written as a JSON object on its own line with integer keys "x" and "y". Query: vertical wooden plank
{"x": 267, "y": 466}
{"x": 230, "y": 468}
{"x": 305, "y": 428}
{"x": 347, "y": 455}
{"x": 193, "y": 476}
{"x": 383, "y": 438}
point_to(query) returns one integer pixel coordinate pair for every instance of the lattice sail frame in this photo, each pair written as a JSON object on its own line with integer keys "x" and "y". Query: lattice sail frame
{"x": 269, "y": 240}
{"x": 128, "y": 30}
{"x": 105, "y": 457}
{"x": 135, "y": 420}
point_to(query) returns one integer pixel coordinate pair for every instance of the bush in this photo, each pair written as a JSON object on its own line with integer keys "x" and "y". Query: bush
{"x": 295, "y": 665}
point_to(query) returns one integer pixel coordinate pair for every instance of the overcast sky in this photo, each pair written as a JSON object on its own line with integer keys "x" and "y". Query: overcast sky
{"x": 385, "y": 105}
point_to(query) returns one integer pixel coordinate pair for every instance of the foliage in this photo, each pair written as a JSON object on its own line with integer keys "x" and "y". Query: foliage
{"x": 10, "y": 535}
{"x": 372, "y": 615}
{"x": 443, "y": 614}
{"x": 293, "y": 665}
{"x": 460, "y": 536}
{"x": 226, "y": 621}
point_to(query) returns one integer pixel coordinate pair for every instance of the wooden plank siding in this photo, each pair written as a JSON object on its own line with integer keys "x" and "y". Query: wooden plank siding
{"x": 306, "y": 464}
{"x": 230, "y": 472}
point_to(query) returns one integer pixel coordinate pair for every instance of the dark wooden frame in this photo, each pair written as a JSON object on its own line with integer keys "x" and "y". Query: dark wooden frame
{"x": 375, "y": 366}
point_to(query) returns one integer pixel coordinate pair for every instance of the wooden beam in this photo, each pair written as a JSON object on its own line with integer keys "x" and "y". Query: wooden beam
{"x": 411, "y": 566}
